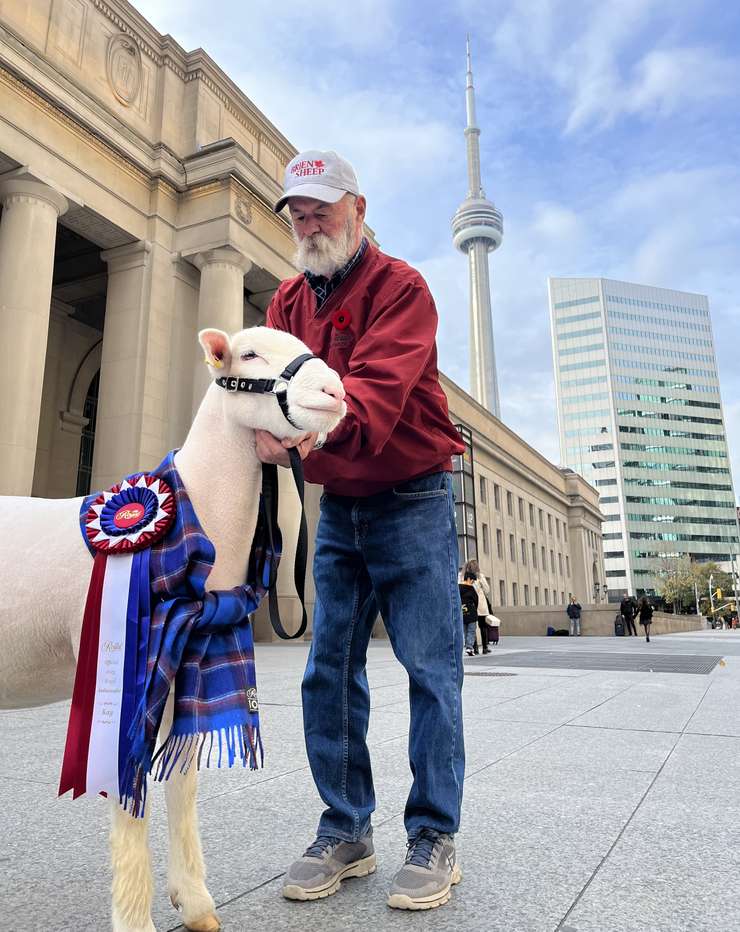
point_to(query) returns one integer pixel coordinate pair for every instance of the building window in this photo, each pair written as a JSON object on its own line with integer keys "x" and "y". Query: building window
{"x": 562, "y": 598}
{"x": 536, "y": 595}
{"x": 557, "y": 528}
{"x": 512, "y": 548}
{"x": 534, "y": 556}
{"x": 567, "y": 565}
{"x": 544, "y": 561}
{"x": 486, "y": 542}
{"x": 497, "y": 496}
{"x": 521, "y": 510}
{"x": 514, "y": 594}
{"x": 87, "y": 441}
{"x": 510, "y": 504}
{"x": 483, "y": 490}
{"x": 499, "y": 544}
{"x": 547, "y": 597}
{"x": 531, "y": 514}
{"x": 463, "y": 483}
{"x": 502, "y": 592}
{"x": 524, "y": 552}
{"x": 526, "y": 594}
{"x": 552, "y": 560}
{"x": 565, "y": 533}
{"x": 540, "y": 516}
{"x": 549, "y": 524}
{"x": 560, "y": 562}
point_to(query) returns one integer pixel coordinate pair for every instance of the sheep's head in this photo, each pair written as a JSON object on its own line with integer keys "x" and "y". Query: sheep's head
{"x": 315, "y": 393}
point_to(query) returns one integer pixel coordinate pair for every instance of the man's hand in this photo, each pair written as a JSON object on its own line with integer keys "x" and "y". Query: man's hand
{"x": 272, "y": 450}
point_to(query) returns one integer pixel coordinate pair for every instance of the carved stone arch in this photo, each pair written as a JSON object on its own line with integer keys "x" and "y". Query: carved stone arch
{"x": 84, "y": 374}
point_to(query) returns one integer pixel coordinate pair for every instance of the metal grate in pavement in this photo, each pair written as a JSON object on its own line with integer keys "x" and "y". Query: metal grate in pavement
{"x": 643, "y": 662}
{"x": 487, "y": 673}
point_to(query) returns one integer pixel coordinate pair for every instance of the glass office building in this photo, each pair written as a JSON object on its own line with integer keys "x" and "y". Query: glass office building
{"x": 640, "y": 417}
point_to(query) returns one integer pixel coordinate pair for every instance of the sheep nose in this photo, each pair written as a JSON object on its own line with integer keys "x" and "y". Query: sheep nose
{"x": 336, "y": 391}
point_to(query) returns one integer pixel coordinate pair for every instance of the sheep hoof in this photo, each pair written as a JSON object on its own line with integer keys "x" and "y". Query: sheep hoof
{"x": 206, "y": 924}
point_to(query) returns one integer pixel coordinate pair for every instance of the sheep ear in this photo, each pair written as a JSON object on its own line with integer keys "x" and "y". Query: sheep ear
{"x": 216, "y": 345}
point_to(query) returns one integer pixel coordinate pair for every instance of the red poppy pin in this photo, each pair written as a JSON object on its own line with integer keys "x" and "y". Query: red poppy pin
{"x": 341, "y": 319}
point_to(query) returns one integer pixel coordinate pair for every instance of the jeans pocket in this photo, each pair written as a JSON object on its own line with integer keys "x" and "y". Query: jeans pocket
{"x": 433, "y": 486}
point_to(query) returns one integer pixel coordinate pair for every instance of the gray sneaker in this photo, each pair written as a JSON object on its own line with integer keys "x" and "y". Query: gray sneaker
{"x": 325, "y": 864}
{"x": 429, "y": 872}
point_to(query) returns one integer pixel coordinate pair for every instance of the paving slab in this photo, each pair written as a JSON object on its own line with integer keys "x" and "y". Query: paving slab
{"x": 595, "y": 801}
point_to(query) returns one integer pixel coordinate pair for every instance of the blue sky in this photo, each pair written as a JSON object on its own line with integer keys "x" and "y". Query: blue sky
{"x": 610, "y": 142}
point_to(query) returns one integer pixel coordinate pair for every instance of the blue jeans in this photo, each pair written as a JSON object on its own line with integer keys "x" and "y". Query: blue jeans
{"x": 471, "y": 631}
{"x": 394, "y": 552}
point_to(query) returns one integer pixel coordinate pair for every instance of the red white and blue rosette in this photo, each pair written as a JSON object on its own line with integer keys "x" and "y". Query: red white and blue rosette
{"x": 130, "y": 517}
{"x": 121, "y": 524}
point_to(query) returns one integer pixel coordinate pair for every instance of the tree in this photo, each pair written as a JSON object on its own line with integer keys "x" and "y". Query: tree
{"x": 720, "y": 580}
{"x": 676, "y": 581}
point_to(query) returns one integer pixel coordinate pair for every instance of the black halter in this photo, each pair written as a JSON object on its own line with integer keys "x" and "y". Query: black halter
{"x": 279, "y": 388}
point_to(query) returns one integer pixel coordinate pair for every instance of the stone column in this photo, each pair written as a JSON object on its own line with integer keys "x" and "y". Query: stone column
{"x": 122, "y": 364}
{"x": 27, "y": 240}
{"x": 220, "y": 302}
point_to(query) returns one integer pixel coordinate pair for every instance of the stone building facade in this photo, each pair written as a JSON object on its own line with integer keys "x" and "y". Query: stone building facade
{"x": 136, "y": 184}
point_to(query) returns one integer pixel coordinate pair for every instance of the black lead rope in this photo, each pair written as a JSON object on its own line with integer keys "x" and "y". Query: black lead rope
{"x": 279, "y": 388}
{"x": 270, "y": 500}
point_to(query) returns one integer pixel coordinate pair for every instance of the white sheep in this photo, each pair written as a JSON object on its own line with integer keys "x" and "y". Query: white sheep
{"x": 44, "y": 593}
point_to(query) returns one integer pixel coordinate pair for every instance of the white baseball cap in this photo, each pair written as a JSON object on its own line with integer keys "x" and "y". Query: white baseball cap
{"x": 325, "y": 176}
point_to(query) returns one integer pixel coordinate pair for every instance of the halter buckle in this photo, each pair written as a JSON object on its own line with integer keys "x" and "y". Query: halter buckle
{"x": 280, "y": 386}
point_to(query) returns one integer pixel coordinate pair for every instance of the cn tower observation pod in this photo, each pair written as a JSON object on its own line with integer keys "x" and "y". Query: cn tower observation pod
{"x": 477, "y": 219}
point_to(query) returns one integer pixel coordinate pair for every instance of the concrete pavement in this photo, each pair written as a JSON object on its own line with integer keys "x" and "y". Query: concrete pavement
{"x": 595, "y": 801}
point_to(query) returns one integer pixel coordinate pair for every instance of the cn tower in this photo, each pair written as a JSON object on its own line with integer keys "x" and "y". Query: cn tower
{"x": 477, "y": 229}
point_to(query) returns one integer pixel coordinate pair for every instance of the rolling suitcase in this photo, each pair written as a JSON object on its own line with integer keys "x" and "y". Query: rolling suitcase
{"x": 618, "y": 626}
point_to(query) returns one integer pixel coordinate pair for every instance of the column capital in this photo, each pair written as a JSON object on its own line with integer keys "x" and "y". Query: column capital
{"x": 27, "y": 191}
{"x": 128, "y": 256}
{"x": 221, "y": 255}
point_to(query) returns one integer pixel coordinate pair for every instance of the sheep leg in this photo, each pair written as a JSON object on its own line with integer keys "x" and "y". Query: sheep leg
{"x": 132, "y": 872}
{"x": 187, "y": 871}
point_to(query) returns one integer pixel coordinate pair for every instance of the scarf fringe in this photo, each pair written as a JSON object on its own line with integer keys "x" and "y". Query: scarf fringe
{"x": 220, "y": 746}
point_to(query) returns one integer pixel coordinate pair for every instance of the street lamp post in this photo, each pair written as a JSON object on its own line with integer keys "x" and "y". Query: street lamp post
{"x": 711, "y": 596}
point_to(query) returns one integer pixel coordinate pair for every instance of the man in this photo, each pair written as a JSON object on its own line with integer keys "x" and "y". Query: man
{"x": 627, "y": 609}
{"x": 385, "y": 542}
{"x": 574, "y": 613}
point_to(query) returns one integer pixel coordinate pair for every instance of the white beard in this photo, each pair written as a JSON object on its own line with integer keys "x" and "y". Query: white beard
{"x": 319, "y": 254}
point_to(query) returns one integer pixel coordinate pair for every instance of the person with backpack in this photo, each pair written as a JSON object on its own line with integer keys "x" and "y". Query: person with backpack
{"x": 646, "y": 616}
{"x": 574, "y": 613}
{"x": 469, "y": 600}
{"x": 483, "y": 590}
{"x": 628, "y": 608}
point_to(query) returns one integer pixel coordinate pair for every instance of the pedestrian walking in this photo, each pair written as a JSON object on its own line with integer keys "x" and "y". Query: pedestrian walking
{"x": 574, "y": 613}
{"x": 628, "y": 608}
{"x": 484, "y": 606}
{"x": 469, "y": 601}
{"x": 645, "y": 610}
{"x": 386, "y": 539}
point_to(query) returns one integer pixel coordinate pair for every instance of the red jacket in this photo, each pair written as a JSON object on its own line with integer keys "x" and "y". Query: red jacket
{"x": 397, "y": 425}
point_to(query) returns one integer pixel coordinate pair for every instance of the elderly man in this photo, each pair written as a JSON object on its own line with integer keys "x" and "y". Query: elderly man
{"x": 386, "y": 539}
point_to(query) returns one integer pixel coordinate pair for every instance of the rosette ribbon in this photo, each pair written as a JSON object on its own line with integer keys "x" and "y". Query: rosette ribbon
{"x": 121, "y": 525}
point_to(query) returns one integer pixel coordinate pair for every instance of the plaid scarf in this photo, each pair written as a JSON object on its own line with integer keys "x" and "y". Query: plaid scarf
{"x": 202, "y": 641}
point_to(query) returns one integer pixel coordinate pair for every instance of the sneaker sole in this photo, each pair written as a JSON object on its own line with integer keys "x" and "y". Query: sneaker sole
{"x": 401, "y": 901}
{"x": 355, "y": 869}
